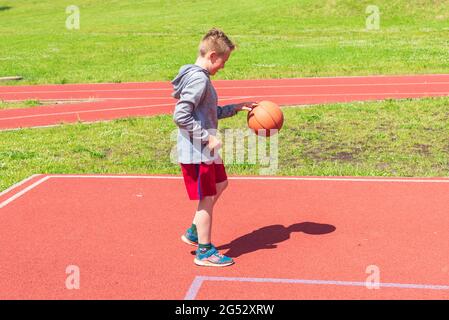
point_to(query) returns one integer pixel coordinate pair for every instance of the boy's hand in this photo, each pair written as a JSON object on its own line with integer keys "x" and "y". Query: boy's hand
{"x": 248, "y": 106}
{"x": 214, "y": 143}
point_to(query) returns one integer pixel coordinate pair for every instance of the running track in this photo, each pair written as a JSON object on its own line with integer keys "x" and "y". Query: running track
{"x": 112, "y": 101}
{"x": 323, "y": 243}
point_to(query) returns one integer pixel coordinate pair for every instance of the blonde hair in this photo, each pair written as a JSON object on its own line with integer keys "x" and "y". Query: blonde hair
{"x": 216, "y": 40}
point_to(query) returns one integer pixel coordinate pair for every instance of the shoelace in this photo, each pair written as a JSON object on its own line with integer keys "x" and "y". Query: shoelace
{"x": 218, "y": 254}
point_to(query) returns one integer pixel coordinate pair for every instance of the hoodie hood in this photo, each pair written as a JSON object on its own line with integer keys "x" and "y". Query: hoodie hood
{"x": 183, "y": 76}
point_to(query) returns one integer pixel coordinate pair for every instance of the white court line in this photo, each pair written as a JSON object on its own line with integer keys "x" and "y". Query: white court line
{"x": 18, "y": 184}
{"x": 382, "y": 76}
{"x": 351, "y": 179}
{"x": 21, "y": 193}
{"x": 306, "y": 95}
{"x": 242, "y": 97}
{"x": 198, "y": 281}
{"x": 340, "y": 179}
{"x": 103, "y": 99}
{"x": 96, "y": 110}
{"x": 85, "y": 111}
{"x": 118, "y": 177}
{"x": 234, "y": 87}
{"x": 409, "y": 94}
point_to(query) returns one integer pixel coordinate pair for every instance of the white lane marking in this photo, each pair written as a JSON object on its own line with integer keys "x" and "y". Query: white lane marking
{"x": 18, "y": 184}
{"x": 198, "y": 281}
{"x": 340, "y": 179}
{"x": 21, "y": 193}
{"x": 427, "y": 83}
{"x": 95, "y": 110}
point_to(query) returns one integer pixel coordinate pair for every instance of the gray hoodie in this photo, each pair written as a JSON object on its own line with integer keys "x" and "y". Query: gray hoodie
{"x": 196, "y": 114}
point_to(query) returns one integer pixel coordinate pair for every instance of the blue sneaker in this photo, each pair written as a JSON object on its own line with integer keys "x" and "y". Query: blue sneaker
{"x": 190, "y": 238}
{"x": 212, "y": 258}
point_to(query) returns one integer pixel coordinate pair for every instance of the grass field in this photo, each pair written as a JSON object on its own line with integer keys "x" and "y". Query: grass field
{"x": 389, "y": 138}
{"x": 125, "y": 40}
{"x": 121, "y": 41}
{"x": 37, "y": 103}
{"x": 19, "y": 104}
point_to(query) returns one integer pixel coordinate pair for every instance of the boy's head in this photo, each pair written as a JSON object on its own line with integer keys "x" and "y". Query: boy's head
{"x": 215, "y": 49}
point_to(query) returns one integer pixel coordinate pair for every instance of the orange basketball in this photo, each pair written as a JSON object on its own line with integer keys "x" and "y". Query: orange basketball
{"x": 267, "y": 115}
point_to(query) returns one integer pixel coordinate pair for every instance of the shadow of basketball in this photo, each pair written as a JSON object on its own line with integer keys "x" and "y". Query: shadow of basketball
{"x": 268, "y": 237}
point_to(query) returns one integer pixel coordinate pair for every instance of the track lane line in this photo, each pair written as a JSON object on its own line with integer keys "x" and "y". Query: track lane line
{"x": 339, "y": 179}
{"x": 18, "y": 184}
{"x": 21, "y": 193}
{"x": 244, "y": 97}
{"x": 198, "y": 281}
{"x": 299, "y": 178}
{"x": 103, "y": 99}
{"x": 234, "y": 87}
{"x": 418, "y": 77}
{"x": 95, "y": 110}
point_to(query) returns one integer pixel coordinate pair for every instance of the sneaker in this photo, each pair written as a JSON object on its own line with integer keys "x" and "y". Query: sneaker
{"x": 190, "y": 238}
{"x": 212, "y": 258}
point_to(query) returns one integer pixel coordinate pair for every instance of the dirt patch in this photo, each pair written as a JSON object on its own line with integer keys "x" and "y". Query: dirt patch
{"x": 314, "y": 154}
{"x": 68, "y": 101}
{"x": 108, "y": 153}
{"x": 446, "y": 149}
{"x": 333, "y": 153}
{"x": 383, "y": 166}
{"x": 344, "y": 156}
{"x": 423, "y": 149}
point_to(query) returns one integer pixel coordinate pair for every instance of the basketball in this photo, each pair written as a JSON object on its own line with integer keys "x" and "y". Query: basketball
{"x": 267, "y": 115}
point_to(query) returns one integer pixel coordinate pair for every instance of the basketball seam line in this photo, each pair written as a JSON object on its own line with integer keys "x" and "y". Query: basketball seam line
{"x": 270, "y": 117}
{"x": 255, "y": 118}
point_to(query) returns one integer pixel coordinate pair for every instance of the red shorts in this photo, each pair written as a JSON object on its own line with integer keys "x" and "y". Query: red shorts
{"x": 201, "y": 178}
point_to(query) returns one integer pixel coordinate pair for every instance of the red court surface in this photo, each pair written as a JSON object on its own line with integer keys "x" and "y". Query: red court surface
{"x": 291, "y": 238}
{"x": 107, "y": 101}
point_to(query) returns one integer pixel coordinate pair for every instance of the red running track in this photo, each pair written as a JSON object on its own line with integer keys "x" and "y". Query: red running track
{"x": 112, "y": 101}
{"x": 125, "y": 238}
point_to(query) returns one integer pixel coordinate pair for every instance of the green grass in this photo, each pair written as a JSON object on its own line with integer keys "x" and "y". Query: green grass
{"x": 148, "y": 40}
{"x": 389, "y": 138}
{"x": 20, "y": 104}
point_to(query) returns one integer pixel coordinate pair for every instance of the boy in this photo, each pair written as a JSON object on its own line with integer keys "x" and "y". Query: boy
{"x": 196, "y": 115}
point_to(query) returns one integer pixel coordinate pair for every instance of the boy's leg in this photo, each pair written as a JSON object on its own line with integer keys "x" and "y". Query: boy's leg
{"x": 201, "y": 184}
{"x": 221, "y": 186}
{"x": 221, "y": 179}
{"x": 207, "y": 254}
{"x": 203, "y": 219}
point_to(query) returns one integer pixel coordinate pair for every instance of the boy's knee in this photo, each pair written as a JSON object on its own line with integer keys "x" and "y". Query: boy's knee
{"x": 222, "y": 185}
{"x": 206, "y": 201}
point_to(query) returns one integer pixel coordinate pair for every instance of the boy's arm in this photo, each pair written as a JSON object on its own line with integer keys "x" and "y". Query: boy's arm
{"x": 231, "y": 109}
{"x": 226, "y": 111}
{"x": 190, "y": 97}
